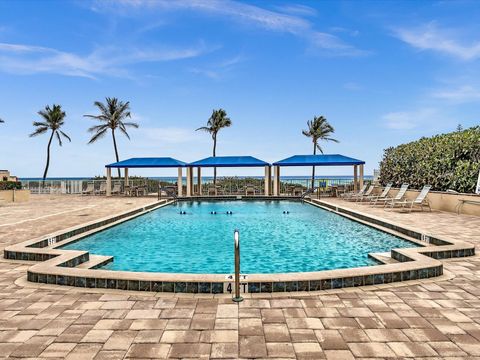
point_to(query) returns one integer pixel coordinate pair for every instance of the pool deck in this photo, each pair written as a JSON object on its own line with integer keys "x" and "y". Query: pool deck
{"x": 431, "y": 319}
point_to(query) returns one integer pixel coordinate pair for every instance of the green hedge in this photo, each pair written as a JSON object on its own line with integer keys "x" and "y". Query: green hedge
{"x": 10, "y": 185}
{"x": 446, "y": 161}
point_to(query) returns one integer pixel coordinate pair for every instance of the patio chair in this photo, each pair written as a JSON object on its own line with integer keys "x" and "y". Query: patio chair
{"x": 117, "y": 189}
{"x": 374, "y": 198}
{"x": 297, "y": 190}
{"x": 398, "y": 197}
{"x": 250, "y": 189}
{"x": 360, "y": 197}
{"x": 89, "y": 190}
{"x": 348, "y": 195}
{"x": 102, "y": 190}
{"x": 421, "y": 201}
{"x": 212, "y": 190}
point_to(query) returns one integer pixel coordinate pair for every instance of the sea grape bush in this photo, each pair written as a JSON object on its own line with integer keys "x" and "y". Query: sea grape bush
{"x": 446, "y": 161}
{"x": 10, "y": 185}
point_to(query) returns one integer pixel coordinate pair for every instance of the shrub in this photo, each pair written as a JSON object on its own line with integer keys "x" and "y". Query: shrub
{"x": 10, "y": 185}
{"x": 446, "y": 161}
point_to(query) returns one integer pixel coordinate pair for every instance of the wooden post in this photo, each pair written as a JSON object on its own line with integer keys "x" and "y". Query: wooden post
{"x": 268, "y": 180}
{"x": 109, "y": 182}
{"x": 199, "y": 180}
{"x": 360, "y": 185}
{"x": 355, "y": 178}
{"x": 180, "y": 182}
{"x": 189, "y": 181}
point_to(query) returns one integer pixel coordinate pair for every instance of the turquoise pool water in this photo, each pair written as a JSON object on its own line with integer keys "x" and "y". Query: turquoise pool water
{"x": 305, "y": 239}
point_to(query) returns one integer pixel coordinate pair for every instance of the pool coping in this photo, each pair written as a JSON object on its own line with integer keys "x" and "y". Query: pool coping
{"x": 78, "y": 268}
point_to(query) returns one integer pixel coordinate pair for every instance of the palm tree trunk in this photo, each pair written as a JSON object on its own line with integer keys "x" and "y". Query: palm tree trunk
{"x": 48, "y": 157}
{"x": 313, "y": 167}
{"x": 214, "y": 152}
{"x": 116, "y": 151}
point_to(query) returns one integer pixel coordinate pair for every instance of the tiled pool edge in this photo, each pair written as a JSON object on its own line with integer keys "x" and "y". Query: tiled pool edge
{"x": 59, "y": 267}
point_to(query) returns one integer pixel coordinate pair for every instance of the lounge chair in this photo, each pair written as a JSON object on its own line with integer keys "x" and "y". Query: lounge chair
{"x": 212, "y": 190}
{"x": 89, "y": 190}
{"x": 374, "y": 198}
{"x": 366, "y": 194}
{"x": 250, "y": 189}
{"x": 117, "y": 189}
{"x": 398, "y": 197}
{"x": 421, "y": 201}
{"x": 348, "y": 195}
{"x": 102, "y": 190}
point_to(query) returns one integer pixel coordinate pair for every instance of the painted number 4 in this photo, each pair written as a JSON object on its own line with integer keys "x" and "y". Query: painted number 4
{"x": 229, "y": 285}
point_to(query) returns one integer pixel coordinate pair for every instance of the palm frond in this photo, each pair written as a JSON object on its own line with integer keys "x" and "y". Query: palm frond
{"x": 124, "y": 131}
{"x": 41, "y": 124}
{"x": 65, "y": 136}
{"x": 58, "y": 138}
{"x": 98, "y": 135}
{"x": 131, "y": 124}
{"x": 1, "y": 121}
{"x": 97, "y": 128}
{"x": 39, "y": 131}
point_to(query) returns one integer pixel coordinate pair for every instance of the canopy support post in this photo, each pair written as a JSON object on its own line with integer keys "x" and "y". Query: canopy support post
{"x": 360, "y": 185}
{"x": 199, "y": 180}
{"x": 276, "y": 180}
{"x": 109, "y": 182}
{"x": 180, "y": 182}
{"x": 189, "y": 181}
{"x": 355, "y": 178}
{"x": 268, "y": 180}
{"x": 126, "y": 176}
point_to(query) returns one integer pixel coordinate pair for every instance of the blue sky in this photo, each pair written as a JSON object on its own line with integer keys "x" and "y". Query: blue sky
{"x": 383, "y": 73}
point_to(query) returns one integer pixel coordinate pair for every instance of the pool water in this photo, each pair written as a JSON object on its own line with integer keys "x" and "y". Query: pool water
{"x": 306, "y": 238}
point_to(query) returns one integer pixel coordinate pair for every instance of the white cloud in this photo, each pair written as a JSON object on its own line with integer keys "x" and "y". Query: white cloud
{"x": 352, "y": 86}
{"x": 407, "y": 120}
{"x": 462, "y": 94}
{"x": 219, "y": 70}
{"x": 28, "y": 59}
{"x": 292, "y": 22}
{"x": 431, "y": 37}
{"x": 297, "y": 9}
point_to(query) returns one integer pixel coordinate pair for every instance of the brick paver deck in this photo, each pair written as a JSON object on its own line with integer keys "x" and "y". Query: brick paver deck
{"x": 435, "y": 319}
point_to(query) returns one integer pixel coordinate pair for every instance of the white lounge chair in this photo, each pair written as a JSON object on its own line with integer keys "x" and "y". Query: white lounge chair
{"x": 117, "y": 189}
{"x": 89, "y": 190}
{"x": 398, "y": 197}
{"x": 374, "y": 198}
{"x": 102, "y": 190}
{"x": 421, "y": 201}
{"x": 366, "y": 194}
{"x": 348, "y": 195}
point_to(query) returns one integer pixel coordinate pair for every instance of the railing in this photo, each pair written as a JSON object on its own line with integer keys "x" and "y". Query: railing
{"x": 224, "y": 186}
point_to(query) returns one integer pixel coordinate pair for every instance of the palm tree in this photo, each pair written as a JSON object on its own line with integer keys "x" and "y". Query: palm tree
{"x": 217, "y": 121}
{"x": 1, "y": 121}
{"x": 112, "y": 116}
{"x": 319, "y": 130}
{"x": 54, "y": 118}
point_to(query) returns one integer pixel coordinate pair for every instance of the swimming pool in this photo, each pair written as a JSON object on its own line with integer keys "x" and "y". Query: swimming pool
{"x": 276, "y": 237}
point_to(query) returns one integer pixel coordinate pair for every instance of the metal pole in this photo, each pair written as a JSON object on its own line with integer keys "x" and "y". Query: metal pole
{"x": 236, "y": 237}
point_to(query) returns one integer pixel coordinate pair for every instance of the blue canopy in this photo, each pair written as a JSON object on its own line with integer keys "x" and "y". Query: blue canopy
{"x": 229, "y": 161}
{"x": 319, "y": 160}
{"x": 159, "y": 162}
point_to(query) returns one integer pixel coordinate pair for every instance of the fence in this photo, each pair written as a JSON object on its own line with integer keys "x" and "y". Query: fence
{"x": 224, "y": 185}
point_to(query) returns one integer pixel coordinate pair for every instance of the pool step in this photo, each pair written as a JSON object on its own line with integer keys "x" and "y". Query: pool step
{"x": 95, "y": 262}
{"x": 383, "y": 257}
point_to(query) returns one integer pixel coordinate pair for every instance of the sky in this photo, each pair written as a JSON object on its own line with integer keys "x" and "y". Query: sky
{"x": 382, "y": 73}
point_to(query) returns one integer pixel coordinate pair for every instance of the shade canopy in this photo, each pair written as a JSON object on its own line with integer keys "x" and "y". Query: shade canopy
{"x": 229, "y": 161}
{"x": 157, "y": 162}
{"x": 319, "y": 160}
